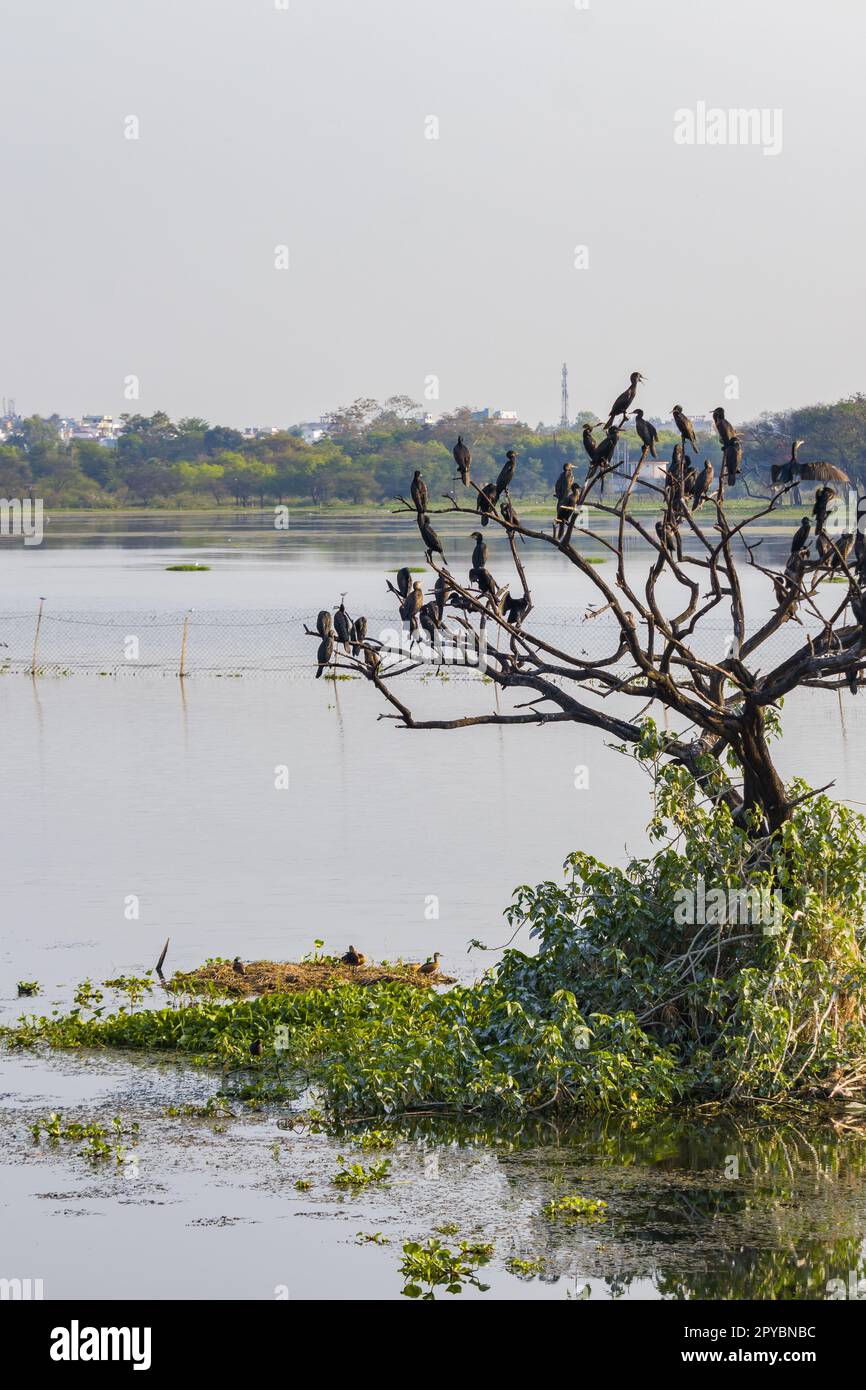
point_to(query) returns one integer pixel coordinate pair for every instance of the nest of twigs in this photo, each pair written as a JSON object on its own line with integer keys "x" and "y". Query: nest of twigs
{"x": 291, "y": 977}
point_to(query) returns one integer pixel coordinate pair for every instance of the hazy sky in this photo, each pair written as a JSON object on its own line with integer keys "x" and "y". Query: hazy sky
{"x": 413, "y": 257}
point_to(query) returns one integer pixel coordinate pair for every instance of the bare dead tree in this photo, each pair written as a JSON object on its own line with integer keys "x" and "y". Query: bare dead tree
{"x": 720, "y": 707}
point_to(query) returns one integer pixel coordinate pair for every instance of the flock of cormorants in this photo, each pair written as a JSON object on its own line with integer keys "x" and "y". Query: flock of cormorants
{"x": 685, "y": 490}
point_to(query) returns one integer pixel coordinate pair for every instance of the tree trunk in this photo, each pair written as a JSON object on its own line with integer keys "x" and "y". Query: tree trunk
{"x": 762, "y": 785}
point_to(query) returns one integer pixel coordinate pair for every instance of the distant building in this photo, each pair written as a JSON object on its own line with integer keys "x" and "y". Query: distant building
{"x": 502, "y": 417}
{"x": 312, "y": 431}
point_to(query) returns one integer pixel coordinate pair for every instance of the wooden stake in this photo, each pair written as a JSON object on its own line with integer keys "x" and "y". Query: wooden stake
{"x": 182, "y": 671}
{"x": 36, "y": 638}
{"x": 159, "y": 963}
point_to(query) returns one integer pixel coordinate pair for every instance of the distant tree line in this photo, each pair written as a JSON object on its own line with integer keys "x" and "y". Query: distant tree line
{"x": 367, "y": 456}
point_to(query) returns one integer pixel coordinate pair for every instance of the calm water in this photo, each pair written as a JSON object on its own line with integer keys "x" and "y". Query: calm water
{"x": 147, "y": 787}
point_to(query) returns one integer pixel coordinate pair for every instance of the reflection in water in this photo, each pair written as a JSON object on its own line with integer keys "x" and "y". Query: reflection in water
{"x": 702, "y": 1208}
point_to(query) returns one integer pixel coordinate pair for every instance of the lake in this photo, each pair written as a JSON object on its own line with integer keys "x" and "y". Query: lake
{"x": 141, "y": 807}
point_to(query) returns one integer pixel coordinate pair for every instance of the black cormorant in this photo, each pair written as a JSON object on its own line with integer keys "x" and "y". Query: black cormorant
{"x": 801, "y": 535}
{"x": 441, "y": 590}
{"x": 514, "y": 609}
{"x": 506, "y": 473}
{"x": 667, "y": 536}
{"x": 324, "y": 623}
{"x": 562, "y": 486}
{"x": 404, "y": 580}
{"x": 842, "y": 550}
{"x": 646, "y": 433}
{"x": 484, "y": 502}
{"x": 623, "y": 402}
{"x": 324, "y": 654}
{"x": 479, "y": 551}
{"x": 412, "y": 605}
{"x": 823, "y": 497}
{"x": 418, "y": 491}
{"x": 359, "y": 632}
{"x": 685, "y": 427}
{"x": 703, "y": 483}
{"x": 794, "y": 471}
{"x": 343, "y": 625}
{"x": 724, "y": 428}
{"x": 484, "y": 580}
{"x": 431, "y": 541}
{"x": 732, "y": 458}
{"x": 463, "y": 459}
{"x": 589, "y": 444}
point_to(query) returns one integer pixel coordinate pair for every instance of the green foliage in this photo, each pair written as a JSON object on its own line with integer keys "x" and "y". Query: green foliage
{"x": 100, "y": 1141}
{"x": 572, "y": 1205}
{"x": 356, "y": 1176}
{"x": 366, "y": 458}
{"x": 28, "y": 987}
{"x": 375, "y": 1139}
{"x": 433, "y": 1266}
{"x": 524, "y": 1269}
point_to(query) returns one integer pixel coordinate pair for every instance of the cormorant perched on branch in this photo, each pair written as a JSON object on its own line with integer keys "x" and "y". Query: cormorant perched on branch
{"x": 823, "y": 497}
{"x": 428, "y": 617}
{"x": 724, "y": 428}
{"x": 647, "y": 434}
{"x": 418, "y": 491}
{"x": 479, "y": 552}
{"x": 484, "y": 502}
{"x": 667, "y": 535}
{"x": 431, "y": 541}
{"x": 589, "y": 444}
{"x": 732, "y": 458}
{"x": 506, "y": 473}
{"x": 801, "y": 535}
{"x": 412, "y": 605}
{"x": 404, "y": 579}
{"x": 372, "y": 658}
{"x": 325, "y": 654}
{"x": 514, "y": 609}
{"x": 602, "y": 456}
{"x": 324, "y": 623}
{"x": 732, "y": 449}
{"x": 703, "y": 483}
{"x": 343, "y": 625}
{"x": 441, "y": 590}
{"x": 842, "y": 550}
{"x": 673, "y": 477}
{"x": 623, "y": 402}
{"x": 483, "y": 579}
{"x": 562, "y": 486}
{"x": 603, "y": 452}
{"x": 794, "y": 471}
{"x": 359, "y": 632}
{"x": 463, "y": 459}
{"x": 565, "y": 511}
{"x": 796, "y": 564}
{"x": 685, "y": 427}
